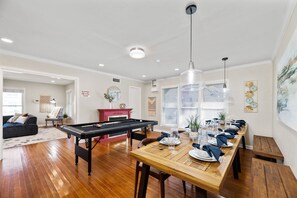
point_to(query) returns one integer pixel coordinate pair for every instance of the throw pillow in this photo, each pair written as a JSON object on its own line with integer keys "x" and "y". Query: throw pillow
{"x": 15, "y": 117}
{"x": 21, "y": 119}
{"x": 10, "y": 119}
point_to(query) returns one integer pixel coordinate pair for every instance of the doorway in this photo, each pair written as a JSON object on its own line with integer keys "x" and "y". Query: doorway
{"x": 135, "y": 101}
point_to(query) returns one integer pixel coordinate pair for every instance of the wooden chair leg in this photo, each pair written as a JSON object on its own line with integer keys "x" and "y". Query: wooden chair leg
{"x": 136, "y": 179}
{"x": 184, "y": 186}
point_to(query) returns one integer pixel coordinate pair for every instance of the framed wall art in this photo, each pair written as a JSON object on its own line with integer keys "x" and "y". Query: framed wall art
{"x": 287, "y": 84}
{"x": 152, "y": 106}
{"x": 251, "y": 96}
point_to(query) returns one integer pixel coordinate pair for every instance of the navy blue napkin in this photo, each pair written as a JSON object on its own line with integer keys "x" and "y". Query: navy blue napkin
{"x": 211, "y": 150}
{"x": 163, "y": 134}
{"x": 241, "y": 122}
{"x": 221, "y": 139}
{"x": 231, "y": 131}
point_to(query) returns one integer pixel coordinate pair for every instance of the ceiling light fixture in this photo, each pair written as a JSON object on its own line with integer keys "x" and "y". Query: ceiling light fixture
{"x": 192, "y": 75}
{"x": 101, "y": 65}
{"x": 6, "y": 40}
{"x": 137, "y": 53}
{"x": 143, "y": 76}
{"x": 225, "y": 85}
{"x": 176, "y": 69}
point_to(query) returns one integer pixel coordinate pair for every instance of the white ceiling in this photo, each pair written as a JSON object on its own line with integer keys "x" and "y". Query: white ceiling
{"x": 85, "y": 33}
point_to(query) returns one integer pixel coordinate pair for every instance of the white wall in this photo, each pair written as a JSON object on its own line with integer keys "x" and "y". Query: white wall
{"x": 285, "y": 137}
{"x": 260, "y": 123}
{"x": 1, "y": 118}
{"x": 34, "y": 91}
{"x": 95, "y": 82}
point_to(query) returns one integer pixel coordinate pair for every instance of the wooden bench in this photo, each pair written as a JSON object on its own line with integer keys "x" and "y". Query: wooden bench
{"x": 272, "y": 180}
{"x": 266, "y": 147}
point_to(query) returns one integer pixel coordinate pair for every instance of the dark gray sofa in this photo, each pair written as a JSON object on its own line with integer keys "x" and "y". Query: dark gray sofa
{"x": 17, "y": 129}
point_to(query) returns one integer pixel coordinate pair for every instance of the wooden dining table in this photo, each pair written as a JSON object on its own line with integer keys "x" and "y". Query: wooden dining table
{"x": 205, "y": 176}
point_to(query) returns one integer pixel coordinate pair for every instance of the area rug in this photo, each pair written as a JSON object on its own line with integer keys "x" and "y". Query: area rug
{"x": 43, "y": 135}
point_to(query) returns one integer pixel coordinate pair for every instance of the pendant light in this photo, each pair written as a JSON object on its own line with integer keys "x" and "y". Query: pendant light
{"x": 192, "y": 75}
{"x": 225, "y": 85}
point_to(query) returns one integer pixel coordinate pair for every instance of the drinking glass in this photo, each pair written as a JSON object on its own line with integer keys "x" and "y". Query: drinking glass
{"x": 172, "y": 139}
{"x": 203, "y": 137}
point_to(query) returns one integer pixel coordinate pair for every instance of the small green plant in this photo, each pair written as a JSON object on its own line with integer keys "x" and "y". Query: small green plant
{"x": 108, "y": 97}
{"x": 222, "y": 116}
{"x": 194, "y": 123}
{"x": 65, "y": 115}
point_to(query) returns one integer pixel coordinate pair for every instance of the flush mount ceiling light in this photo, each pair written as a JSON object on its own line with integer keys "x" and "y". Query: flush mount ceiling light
{"x": 6, "y": 40}
{"x": 137, "y": 53}
{"x": 192, "y": 75}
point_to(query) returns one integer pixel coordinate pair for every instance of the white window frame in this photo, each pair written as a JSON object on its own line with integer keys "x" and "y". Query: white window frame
{"x": 181, "y": 108}
{"x": 219, "y": 106}
{"x": 162, "y": 106}
{"x": 17, "y": 90}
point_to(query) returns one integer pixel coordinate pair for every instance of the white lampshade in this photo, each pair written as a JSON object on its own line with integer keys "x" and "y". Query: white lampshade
{"x": 191, "y": 76}
{"x": 137, "y": 53}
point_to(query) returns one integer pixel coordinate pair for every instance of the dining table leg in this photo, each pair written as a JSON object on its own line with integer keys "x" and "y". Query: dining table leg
{"x": 200, "y": 193}
{"x": 235, "y": 167}
{"x": 145, "y": 171}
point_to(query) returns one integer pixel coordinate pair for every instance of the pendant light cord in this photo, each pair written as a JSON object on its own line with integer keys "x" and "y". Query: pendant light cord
{"x": 224, "y": 59}
{"x": 191, "y": 36}
{"x": 225, "y": 72}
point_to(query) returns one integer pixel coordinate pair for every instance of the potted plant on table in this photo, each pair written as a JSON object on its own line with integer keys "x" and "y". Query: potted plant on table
{"x": 222, "y": 117}
{"x": 194, "y": 125}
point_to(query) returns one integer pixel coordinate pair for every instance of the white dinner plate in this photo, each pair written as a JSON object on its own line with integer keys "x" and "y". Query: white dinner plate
{"x": 233, "y": 127}
{"x": 165, "y": 141}
{"x": 193, "y": 153}
{"x": 214, "y": 142}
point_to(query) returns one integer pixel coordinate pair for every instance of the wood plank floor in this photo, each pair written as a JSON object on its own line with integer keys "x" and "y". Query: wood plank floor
{"x": 48, "y": 170}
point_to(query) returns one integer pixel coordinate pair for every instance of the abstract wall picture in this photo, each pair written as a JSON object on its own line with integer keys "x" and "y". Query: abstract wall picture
{"x": 251, "y": 97}
{"x": 152, "y": 106}
{"x": 44, "y": 104}
{"x": 287, "y": 84}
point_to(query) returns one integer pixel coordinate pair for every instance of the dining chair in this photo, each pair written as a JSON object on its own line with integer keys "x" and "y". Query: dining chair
{"x": 161, "y": 176}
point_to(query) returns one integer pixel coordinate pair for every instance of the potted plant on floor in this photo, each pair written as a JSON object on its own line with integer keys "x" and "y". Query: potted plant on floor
{"x": 65, "y": 118}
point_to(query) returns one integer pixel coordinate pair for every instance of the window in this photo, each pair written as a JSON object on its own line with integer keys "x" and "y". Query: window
{"x": 189, "y": 100}
{"x": 170, "y": 106}
{"x": 13, "y": 101}
{"x": 213, "y": 101}
{"x": 179, "y": 103}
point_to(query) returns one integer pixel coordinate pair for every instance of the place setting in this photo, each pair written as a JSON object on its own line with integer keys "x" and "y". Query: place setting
{"x": 170, "y": 139}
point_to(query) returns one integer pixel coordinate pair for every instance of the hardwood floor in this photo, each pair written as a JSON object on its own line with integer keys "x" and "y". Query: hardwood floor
{"x": 48, "y": 170}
